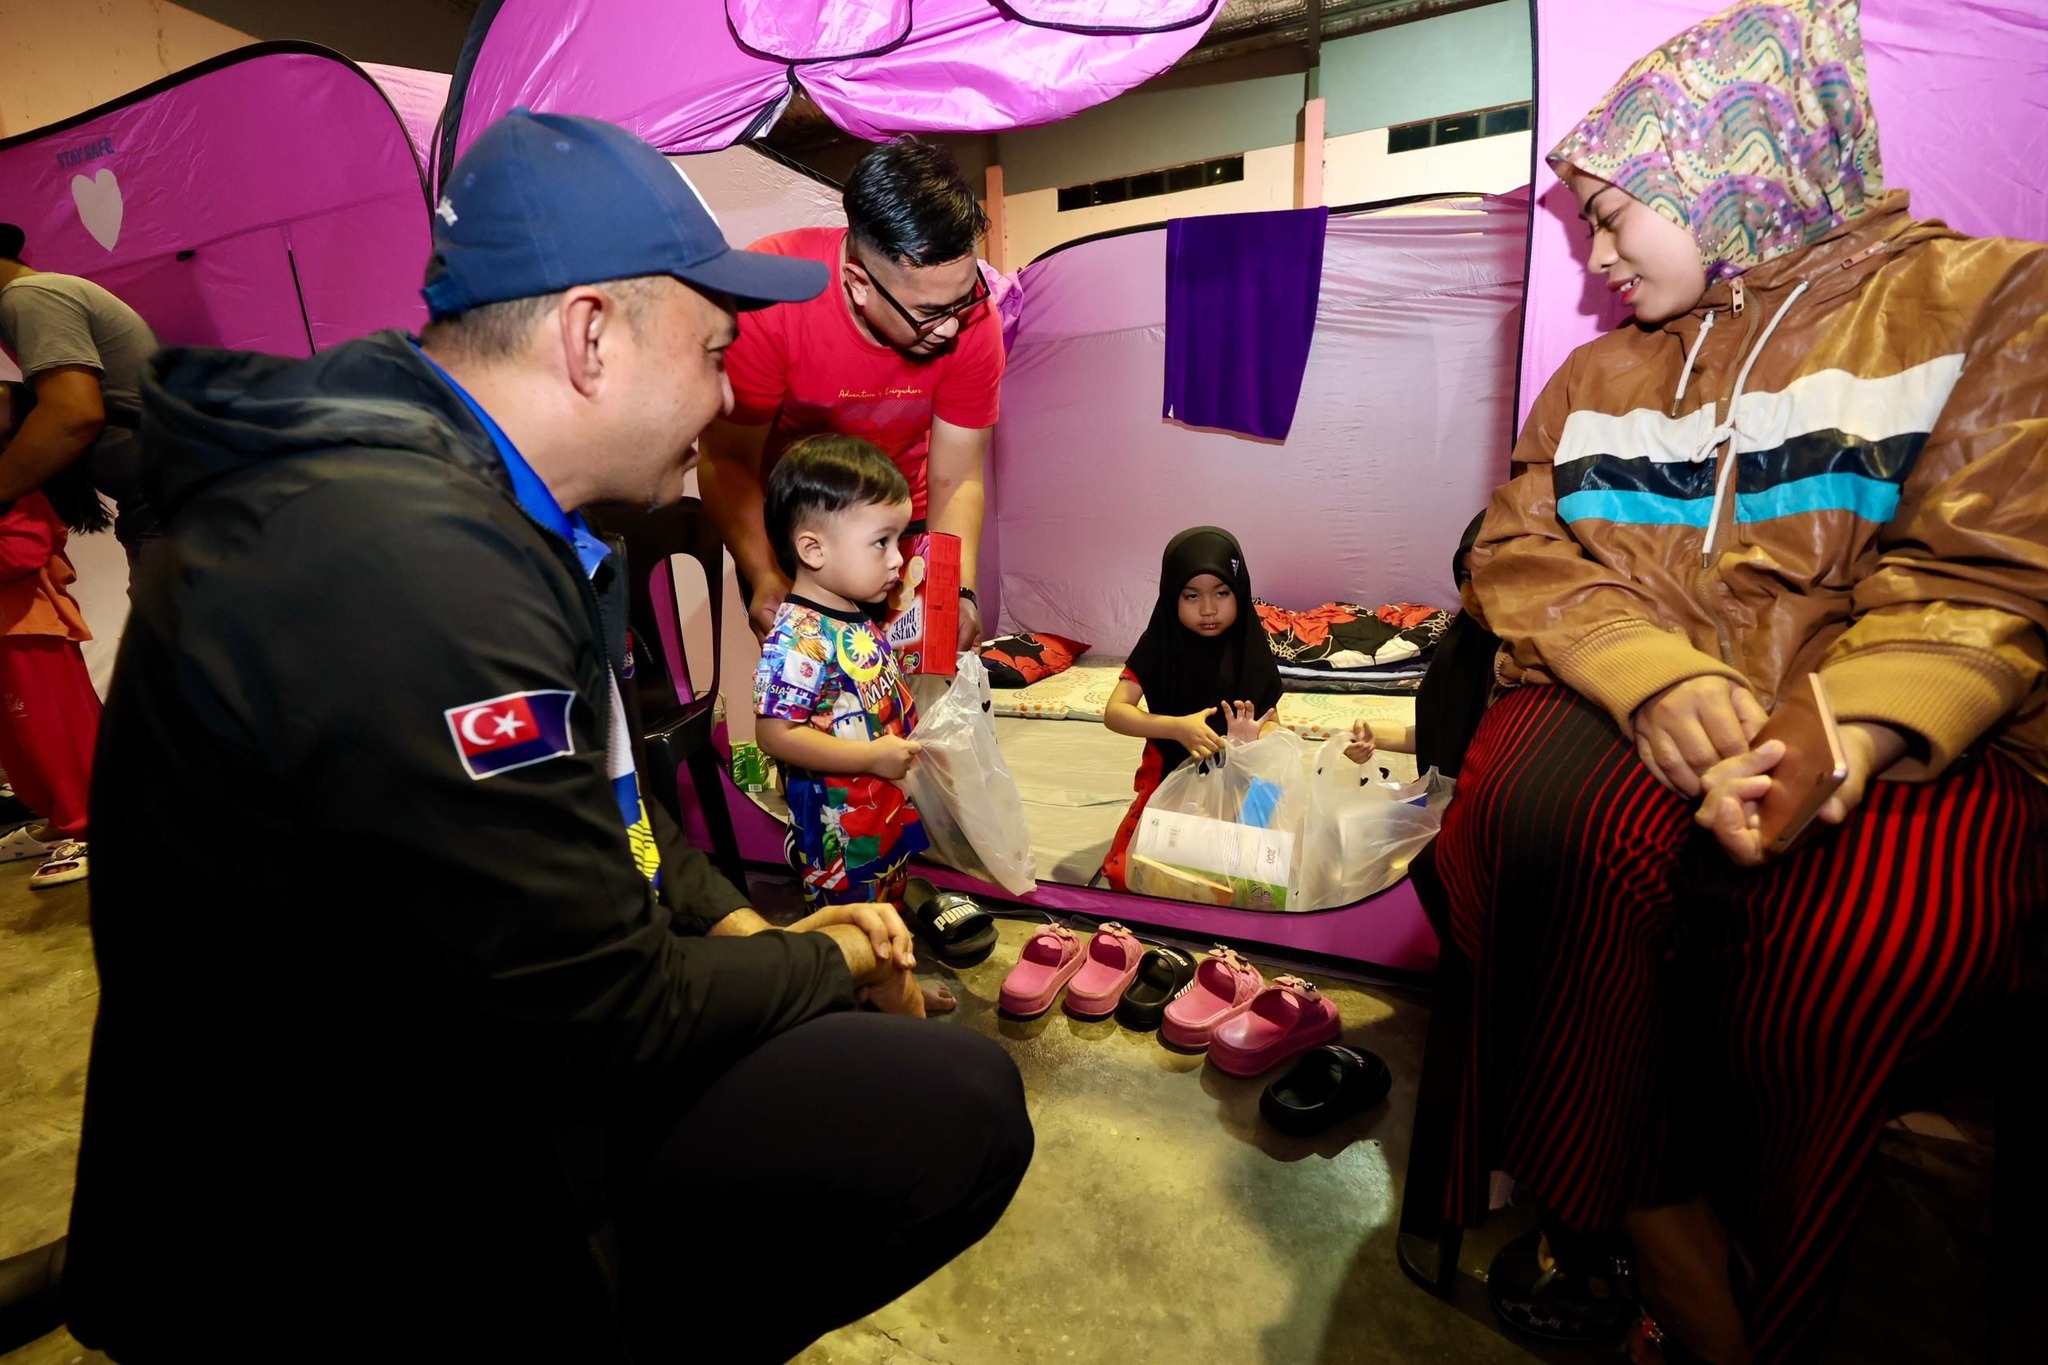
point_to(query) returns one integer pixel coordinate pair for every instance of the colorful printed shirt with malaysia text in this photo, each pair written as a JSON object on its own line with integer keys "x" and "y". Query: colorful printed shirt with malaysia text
{"x": 833, "y": 671}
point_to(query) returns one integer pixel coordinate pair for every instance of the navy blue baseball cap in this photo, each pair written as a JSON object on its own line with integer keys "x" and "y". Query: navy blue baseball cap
{"x": 543, "y": 202}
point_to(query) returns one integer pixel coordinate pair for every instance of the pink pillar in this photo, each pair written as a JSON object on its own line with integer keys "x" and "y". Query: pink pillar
{"x": 1310, "y": 181}
{"x": 998, "y": 232}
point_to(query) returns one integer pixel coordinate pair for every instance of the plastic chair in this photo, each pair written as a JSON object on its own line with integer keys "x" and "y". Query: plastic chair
{"x": 675, "y": 711}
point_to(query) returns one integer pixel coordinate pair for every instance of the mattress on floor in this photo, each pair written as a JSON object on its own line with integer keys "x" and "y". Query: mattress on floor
{"x": 1086, "y": 686}
{"x": 1076, "y": 784}
{"x": 1082, "y": 693}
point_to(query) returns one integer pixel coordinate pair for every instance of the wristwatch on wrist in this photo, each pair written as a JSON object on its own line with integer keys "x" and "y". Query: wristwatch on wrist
{"x": 968, "y": 594}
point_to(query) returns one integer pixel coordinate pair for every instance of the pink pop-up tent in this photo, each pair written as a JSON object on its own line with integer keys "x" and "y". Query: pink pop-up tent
{"x": 295, "y": 179}
{"x": 1403, "y": 419}
{"x": 1961, "y": 91}
{"x": 273, "y": 198}
{"x": 698, "y": 76}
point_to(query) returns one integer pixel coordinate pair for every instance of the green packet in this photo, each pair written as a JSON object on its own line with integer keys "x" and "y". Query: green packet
{"x": 749, "y": 768}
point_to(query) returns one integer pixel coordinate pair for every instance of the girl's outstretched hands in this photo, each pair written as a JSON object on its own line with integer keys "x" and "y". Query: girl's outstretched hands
{"x": 1244, "y": 725}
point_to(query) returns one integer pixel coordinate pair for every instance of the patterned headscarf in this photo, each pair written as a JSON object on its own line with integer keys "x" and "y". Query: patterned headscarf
{"x": 1753, "y": 130}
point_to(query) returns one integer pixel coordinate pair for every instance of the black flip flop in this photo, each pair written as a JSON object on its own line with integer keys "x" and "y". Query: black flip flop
{"x": 1327, "y": 1085}
{"x": 1561, "y": 1305}
{"x": 1164, "y": 974}
{"x": 960, "y": 932}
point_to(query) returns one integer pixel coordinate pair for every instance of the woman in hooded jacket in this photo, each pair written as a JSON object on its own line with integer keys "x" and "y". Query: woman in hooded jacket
{"x": 1822, "y": 446}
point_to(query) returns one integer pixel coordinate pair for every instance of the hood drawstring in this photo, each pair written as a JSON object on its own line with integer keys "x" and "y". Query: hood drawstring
{"x": 1726, "y": 432}
{"x": 1685, "y": 375}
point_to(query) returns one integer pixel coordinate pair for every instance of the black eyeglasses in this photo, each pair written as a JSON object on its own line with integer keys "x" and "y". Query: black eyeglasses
{"x": 925, "y": 326}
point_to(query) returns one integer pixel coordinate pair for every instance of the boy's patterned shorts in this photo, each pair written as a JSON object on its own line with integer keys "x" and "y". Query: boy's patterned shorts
{"x": 879, "y": 881}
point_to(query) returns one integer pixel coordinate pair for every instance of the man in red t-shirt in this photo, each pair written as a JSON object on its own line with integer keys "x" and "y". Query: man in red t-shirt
{"x": 905, "y": 352}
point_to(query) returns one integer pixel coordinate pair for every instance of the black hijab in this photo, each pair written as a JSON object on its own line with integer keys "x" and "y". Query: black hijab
{"x": 1181, "y": 671}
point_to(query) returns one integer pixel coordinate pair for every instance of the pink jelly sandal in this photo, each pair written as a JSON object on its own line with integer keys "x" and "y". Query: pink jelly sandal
{"x": 1283, "y": 1021}
{"x": 1224, "y": 986}
{"x": 1048, "y": 962}
{"x": 1112, "y": 964}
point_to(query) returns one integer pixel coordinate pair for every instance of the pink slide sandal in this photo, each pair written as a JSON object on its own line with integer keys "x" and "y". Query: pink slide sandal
{"x": 1224, "y": 986}
{"x": 1112, "y": 965}
{"x": 1283, "y": 1021}
{"x": 1048, "y": 962}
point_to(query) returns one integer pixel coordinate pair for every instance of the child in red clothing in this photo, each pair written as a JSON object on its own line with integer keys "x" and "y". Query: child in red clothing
{"x": 49, "y": 713}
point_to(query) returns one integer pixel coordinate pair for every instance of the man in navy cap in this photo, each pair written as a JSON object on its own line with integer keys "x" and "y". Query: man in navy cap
{"x": 453, "y": 1053}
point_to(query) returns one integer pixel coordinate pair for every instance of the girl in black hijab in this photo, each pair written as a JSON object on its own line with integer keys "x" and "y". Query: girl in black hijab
{"x": 1202, "y": 665}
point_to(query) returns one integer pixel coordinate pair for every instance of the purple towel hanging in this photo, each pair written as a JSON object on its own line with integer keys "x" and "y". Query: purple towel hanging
{"x": 1241, "y": 292}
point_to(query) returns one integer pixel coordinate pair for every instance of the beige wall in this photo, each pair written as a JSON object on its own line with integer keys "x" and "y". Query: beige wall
{"x": 62, "y": 57}
{"x": 1356, "y": 170}
{"x": 1035, "y": 225}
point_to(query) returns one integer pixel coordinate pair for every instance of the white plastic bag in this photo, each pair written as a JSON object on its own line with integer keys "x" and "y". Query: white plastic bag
{"x": 963, "y": 790}
{"x": 1224, "y": 831}
{"x": 1360, "y": 832}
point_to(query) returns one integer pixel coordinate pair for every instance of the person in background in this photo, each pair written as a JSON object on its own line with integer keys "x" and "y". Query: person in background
{"x": 83, "y": 351}
{"x": 1820, "y": 448}
{"x": 49, "y": 713}
{"x": 902, "y": 350}
{"x": 833, "y": 707}
{"x": 456, "y": 1050}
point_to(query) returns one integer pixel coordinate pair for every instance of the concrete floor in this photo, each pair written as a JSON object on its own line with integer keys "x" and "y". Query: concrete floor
{"x": 48, "y": 992}
{"x": 1161, "y": 1220}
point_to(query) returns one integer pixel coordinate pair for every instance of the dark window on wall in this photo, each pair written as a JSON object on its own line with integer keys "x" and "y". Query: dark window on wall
{"x": 1146, "y": 184}
{"x": 1463, "y": 128}
{"x": 1513, "y": 119}
{"x": 1410, "y": 137}
{"x": 1441, "y": 132}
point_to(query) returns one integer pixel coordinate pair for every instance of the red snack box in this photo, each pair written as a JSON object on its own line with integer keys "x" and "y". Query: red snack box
{"x": 923, "y": 625}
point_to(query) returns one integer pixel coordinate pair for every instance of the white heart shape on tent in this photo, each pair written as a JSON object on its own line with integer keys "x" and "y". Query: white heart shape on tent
{"x": 99, "y": 206}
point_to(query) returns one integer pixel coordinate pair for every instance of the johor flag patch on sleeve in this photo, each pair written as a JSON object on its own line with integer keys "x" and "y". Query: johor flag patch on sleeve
{"x": 511, "y": 731}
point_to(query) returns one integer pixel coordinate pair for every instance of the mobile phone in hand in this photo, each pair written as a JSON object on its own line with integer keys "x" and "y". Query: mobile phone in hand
{"x": 1813, "y": 769}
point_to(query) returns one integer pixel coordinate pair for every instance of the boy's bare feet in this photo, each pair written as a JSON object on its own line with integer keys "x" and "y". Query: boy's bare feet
{"x": 903, "y": 993}
{"x": 896, "y": 994}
